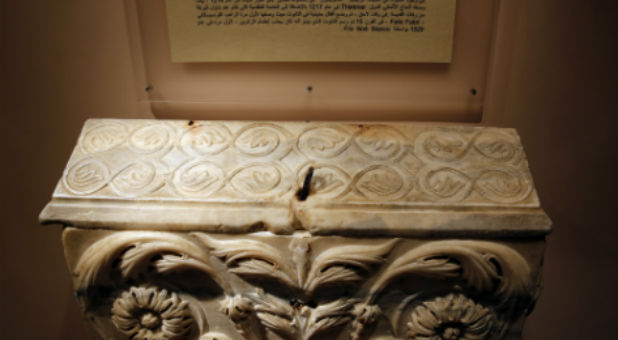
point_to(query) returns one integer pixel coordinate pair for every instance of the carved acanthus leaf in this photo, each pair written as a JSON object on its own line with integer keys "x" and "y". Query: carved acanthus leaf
{"x": 345, "y": 264}
{"x": 134, "y": 251}
{"x": 137, "y": 258}
{"x": 327, "y": 316}
{"x": 484, "y": 266}
{"x": 250, "y": 258}
{"x": 275, "y": 314}
{"x": 491, "y": 275}
{"x": 173, "y": 263}
{"x": 300, "y": 321}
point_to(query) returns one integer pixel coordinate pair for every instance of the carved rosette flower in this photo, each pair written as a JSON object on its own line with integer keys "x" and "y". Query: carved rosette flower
{"x": 151, "y": 313}
{"x": 452, "y": 317}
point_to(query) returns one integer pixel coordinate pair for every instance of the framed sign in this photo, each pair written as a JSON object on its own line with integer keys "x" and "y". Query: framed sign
{"x": 455, "y": 91}
{"x": 311, "y": 30}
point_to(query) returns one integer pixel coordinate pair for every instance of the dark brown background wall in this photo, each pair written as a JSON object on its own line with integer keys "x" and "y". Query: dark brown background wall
{"x": 65, "y": 61}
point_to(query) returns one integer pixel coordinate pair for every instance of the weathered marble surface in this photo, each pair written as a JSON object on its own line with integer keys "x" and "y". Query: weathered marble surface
{"x": 407, "y": 179}
{"x": 230, "y": 230}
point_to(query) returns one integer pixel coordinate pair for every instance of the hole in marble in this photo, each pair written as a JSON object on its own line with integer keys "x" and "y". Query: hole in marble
{"x": 257, "y": 226}
{"x": 303, "y": 192}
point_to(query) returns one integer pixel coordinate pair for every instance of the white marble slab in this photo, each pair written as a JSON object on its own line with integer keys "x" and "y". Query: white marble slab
{"x": 387, "y": 178}
{"x": 293, "y": 230}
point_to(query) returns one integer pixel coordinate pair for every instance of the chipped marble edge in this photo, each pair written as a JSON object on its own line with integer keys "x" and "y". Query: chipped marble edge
{"x": 115, "y": 156}
{"x": 235, "y": 219}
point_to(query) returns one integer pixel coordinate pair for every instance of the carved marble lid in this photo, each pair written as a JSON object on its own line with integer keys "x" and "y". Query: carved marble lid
{"x": 406, "y": 179}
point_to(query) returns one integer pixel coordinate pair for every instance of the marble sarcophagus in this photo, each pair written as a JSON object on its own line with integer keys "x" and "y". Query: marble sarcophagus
{"x": 300, "y": 230}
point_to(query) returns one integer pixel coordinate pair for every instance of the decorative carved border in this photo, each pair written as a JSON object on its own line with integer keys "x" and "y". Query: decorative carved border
{"x": 250, "y": 162}
{"x": 156, "y": 285}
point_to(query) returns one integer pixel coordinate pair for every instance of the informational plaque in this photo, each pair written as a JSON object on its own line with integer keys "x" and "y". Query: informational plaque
{"x": 311, "y": 30}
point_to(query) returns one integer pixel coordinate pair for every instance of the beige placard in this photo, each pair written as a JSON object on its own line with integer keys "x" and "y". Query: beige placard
{"x": 311, "y": 30}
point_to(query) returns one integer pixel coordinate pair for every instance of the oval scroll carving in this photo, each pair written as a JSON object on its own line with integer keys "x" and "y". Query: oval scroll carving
{"x": 417, "y": 165}
{"x": 328, "y": 181}
{"x": 104, "y": 137}
{"x": 262, "y": 139}
{"x": 446, "y": 183}
{"x": 136, "y": 179}
{"x": 442, "y": 146}
{"x": 380, "y": 142}
{"x": 380, "y": 182}
{"x": 256, "y": 179}
{"x": 199, "y": 178}
{"x": 324, "y": 142}
{"x": 151, "y": 138}
{"x": 206, "y": 139}
{"x": 495, "y": 146}
{"x": 87, "y": 176}
{"x": 503, "y": 185}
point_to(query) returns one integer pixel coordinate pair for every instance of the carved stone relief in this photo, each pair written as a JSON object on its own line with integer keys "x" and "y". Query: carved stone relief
{"x": 213, "y": 161}
{"x": 300, "y": 230}
{"x": 154, "y": 285}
